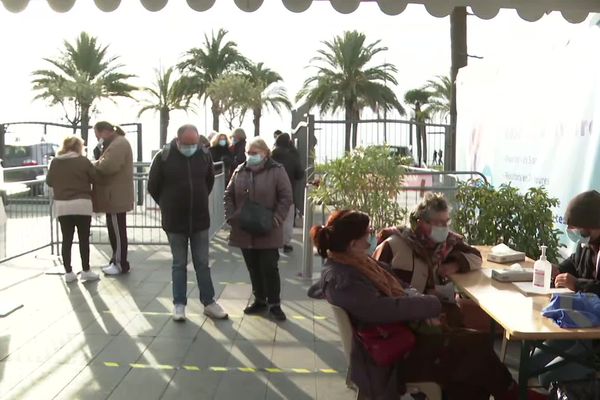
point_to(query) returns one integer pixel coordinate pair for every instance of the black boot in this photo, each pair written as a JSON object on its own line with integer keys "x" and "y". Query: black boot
{"x": 277, "y": 313}
{"x": 255, "y": 308}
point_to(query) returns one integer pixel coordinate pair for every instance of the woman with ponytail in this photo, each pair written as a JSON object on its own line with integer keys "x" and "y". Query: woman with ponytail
{"x": 462, "y": 362}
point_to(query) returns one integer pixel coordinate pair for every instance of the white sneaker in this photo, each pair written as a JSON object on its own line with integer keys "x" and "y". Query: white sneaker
{"x": 70, "y": 277}
{"x": 89, "y": 276}
{"x": 215, "y": 311}
{"x": 179, "y": 312}
{"x": 112, "y": 269}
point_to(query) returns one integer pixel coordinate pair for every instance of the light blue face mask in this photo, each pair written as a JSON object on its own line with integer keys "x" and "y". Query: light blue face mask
{"x": 575, "y": 236}
{"x": 254, "y": 159}
{"x": 223, "y": 143}
{"x": 372, "y": 244}
{"x": 188, "y": 150}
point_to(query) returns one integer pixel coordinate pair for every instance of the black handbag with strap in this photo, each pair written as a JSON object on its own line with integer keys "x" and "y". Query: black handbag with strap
{"x": 255, "y": 218}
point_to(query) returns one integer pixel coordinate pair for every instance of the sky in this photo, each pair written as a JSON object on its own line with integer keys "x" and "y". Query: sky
{"x": 419, "y": 46}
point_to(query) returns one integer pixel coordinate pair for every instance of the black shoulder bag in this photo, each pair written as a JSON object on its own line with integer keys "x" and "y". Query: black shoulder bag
{"x": 255, "y": 218}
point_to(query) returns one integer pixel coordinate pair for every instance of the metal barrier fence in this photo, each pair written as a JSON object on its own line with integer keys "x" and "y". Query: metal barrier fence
{"x": 431, "y": 145}
{"x": 30, "y": 225}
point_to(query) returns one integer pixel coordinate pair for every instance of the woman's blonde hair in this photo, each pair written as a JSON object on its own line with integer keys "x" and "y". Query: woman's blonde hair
{"x": 431, "y": 203}
{"x": 215, "y": 139}
{"x": 259, "y": 144}
{"x": 71, "y": 143}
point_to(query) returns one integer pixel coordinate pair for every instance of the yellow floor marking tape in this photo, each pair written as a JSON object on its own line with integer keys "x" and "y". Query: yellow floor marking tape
{"x": 271, "y": 370}
{"x": 233, "y": 316}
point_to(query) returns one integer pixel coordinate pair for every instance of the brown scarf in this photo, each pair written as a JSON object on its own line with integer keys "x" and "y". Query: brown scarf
{"x": 382, "y": 279}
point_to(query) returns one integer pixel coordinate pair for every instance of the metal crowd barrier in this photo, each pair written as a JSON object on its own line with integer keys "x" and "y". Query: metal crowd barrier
{"x": 27, "y": 223}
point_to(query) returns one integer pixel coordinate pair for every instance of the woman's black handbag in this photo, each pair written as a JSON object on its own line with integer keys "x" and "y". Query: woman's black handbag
{"x": 255, "y": 218}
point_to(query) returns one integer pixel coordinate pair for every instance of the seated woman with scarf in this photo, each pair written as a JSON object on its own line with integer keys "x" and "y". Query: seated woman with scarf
{"x": 462, "y": 362}
{"x": 427, "y": 252}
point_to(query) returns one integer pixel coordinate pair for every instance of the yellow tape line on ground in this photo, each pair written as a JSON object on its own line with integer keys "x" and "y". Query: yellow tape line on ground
{"x": 232, "y": 316}
{"x": 195, "y": 368}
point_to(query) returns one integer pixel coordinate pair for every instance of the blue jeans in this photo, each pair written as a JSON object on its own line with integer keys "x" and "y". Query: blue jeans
{"x": 179, "y": 249}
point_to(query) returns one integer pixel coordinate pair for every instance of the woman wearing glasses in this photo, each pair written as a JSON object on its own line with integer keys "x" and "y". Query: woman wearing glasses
{"x": 425, "y": 253}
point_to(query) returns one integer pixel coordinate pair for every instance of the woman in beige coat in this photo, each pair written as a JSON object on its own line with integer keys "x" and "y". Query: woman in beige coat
{"x": 113, "y": 192}
{"x": 264, "y": 181}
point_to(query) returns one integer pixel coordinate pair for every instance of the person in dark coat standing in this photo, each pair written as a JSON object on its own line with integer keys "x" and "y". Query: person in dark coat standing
{"x": 238, "y": 147}
{"x": 286, "y": 154}
{"x": 264, "y": 181}
{"x": 219, "y": 150}
{"x": 181, "y": 178}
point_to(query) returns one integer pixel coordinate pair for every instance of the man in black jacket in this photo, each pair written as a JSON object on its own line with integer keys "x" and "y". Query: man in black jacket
{"x": 580, "y": 272}
{"x": 181, "y": 178}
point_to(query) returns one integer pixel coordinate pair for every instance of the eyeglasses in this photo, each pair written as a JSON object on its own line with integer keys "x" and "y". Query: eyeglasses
{"x": 440, "y": 222}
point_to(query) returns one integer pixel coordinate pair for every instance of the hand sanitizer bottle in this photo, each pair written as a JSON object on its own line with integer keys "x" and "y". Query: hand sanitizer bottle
{"x": 542, "y": 271}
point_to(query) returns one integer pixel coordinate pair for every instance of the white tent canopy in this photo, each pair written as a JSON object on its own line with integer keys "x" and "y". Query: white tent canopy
{"x": 531, "y": 10}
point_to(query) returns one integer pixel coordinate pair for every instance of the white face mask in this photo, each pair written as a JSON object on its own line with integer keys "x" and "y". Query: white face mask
{"x": 439, "y": 234}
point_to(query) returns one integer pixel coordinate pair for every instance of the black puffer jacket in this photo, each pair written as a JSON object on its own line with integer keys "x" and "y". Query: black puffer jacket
{"x": 181, "y": 185}
{"x": 582, "y": 265}
{"x": 290, "y": 159}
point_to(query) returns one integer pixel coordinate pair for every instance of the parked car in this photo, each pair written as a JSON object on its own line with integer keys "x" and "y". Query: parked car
{"x": 17, "y": 155}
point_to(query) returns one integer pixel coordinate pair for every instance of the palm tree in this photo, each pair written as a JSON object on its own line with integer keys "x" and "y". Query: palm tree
{"x": 345, "y": 80}
{"x": 420, "y": 100}
{"x": 440, "y": 90}
{"x": 82, "y": 74}
{"x": 203, "y": 66}
{"x": 232, "y": 95}
{"x": 167, "y": 94}
{"x": 268, "y": 93}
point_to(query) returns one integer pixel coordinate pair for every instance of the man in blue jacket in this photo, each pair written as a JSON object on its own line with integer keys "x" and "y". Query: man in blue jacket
{"x": 181, "y": 178}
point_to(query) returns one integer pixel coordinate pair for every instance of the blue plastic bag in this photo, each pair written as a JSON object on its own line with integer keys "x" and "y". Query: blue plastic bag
{"x": 574, "y": 310}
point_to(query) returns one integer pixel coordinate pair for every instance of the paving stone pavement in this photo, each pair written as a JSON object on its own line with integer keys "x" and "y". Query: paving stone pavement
{"x": 114, "y": 338}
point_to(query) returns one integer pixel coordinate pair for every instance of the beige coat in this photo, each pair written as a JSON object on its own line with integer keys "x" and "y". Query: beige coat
{"x": 414, "y": 270}
{"x": 113, "y": 190}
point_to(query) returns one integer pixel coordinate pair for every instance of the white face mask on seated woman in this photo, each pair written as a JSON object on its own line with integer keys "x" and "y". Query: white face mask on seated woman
{"x": 437, "y": 226}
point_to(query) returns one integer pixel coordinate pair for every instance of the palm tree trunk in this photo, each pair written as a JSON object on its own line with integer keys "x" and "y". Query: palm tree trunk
{"x": 215, "y": 114}
{"x": 257, "y": 116}
{"x": 85, "y": 122}
{"x": 164, "y": 126}
{"x": 419, "y": 147}
{"x": 347, "y": 144}
{"x": 355, "y": 118}
{"x": 423, "y": 131}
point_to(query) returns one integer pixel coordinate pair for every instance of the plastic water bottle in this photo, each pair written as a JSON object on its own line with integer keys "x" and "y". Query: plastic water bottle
{"x": 542, "y": 271}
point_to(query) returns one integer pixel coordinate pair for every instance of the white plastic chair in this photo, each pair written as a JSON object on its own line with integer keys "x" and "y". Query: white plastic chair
{"x": 431, "y": 389}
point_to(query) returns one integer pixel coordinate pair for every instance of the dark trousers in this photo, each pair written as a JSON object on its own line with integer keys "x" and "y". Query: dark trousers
{"x": 117, "y": 234}
{"x": 68, "y": 223}
{"x": 463, "y": 362}
{"x": 264, "y": 274}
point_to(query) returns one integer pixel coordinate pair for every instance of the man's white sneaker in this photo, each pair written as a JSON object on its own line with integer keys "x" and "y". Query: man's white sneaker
{"x": 179, "y": 312}
{"x": 89, "y": 276}
{"x": 215, "y": 311}
{"x": 112, "y": 269}
{"x": 70, "y": 277}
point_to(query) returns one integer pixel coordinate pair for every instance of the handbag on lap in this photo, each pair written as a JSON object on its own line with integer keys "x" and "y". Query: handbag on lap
{"x": 387, "y": 343}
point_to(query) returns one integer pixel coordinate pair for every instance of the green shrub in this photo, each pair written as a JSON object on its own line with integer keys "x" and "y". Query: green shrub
{"x": 366, "y": 179}
{"x": 488, "y": 216}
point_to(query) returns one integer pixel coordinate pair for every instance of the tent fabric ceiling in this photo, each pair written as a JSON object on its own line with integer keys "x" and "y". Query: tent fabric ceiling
{"x": 530, "y": 10}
